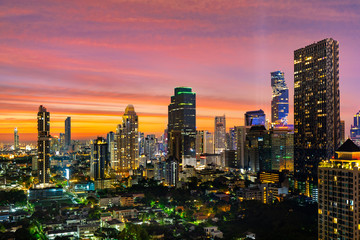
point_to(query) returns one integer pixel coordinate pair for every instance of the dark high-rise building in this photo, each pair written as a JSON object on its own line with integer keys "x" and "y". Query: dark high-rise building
{"x": 355, "y": 129}
{"x": 150, "y": 146}
{"x": 67, "y": 132}
{"x": 43, "y": 169}
{"x": 258, "y": 149}
{"x": 240, "y": 136}
{"x": 282, "y": 149}
{"x": 16, "y": 139}
{"x": 182, "y": 124}
{"x": 99, "y": 163}
{"x": 254, "y": 118}
{"x": 220, "y": 134}
{"x": 280, "y": 98}
{"x": 316, "y": 106}
{"x": 342, "y": 131}
{"x": 128, "y": 141}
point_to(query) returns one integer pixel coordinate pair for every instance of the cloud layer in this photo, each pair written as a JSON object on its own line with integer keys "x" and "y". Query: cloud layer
{"x": 89, "y": 59}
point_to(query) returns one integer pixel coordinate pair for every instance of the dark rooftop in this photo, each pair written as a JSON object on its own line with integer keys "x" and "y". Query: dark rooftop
{"x": 348, "y": 146}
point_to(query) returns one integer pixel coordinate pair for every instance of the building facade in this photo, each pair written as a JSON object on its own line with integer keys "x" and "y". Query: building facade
{"x": 16, "y": 139}
{"x": 182, "y": 124}
{"x": 316, "y": 106}
{"x": 355, "y": 129}
{"x": 282, "y": 149}
{"x": 150, "y": 146}
{"x": 280, "y": 98}
{"x": 99, "y": 163}
{"x": 220, "y": 134}
{"x": 342, "y": 132}
{"x": 258, "y": 149}
{"x": 43, "y": 119}
{"x": 338, "y": 207}
{"x": 67, "y": 132}
{"x": 254, "y": 118}
{"x": 128, "y": 142}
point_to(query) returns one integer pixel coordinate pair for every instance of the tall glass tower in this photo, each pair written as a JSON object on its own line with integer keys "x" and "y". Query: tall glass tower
{"x": 182, "y": 124}
{"x": 43, "y": 118}
{"x": 280, "y": 98}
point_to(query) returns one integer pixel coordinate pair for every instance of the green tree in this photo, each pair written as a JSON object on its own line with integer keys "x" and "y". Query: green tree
{"x": 134, "y": 232}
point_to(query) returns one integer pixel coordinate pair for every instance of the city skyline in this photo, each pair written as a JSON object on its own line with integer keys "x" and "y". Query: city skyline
{"x": 94, "y": 74}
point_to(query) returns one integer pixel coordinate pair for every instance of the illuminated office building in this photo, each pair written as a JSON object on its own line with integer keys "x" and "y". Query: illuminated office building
{"x": 43, "y": 159}
{"x": 338, "y": 203}
{"x": 182, "y": 124}
{"x": 220, "y": 134}
{"x": 355, "y": 129}
{"x": 16, "y": 139}
{"x": 282, "y": 149}
{"x": 316, "y": 106}
{"x": 280, "y": 98}
{"x": 128, "y": 141}
{"x": 255, "y": 118}
{"x": 67, "y": 132}
{"x": 99, "y": 164}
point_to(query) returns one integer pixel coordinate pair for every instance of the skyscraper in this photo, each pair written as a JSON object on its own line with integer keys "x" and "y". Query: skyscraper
{"x": 112, "y": 149}
{"x": 338, "y": 208}
{"x": 67, "y": 132}
{"x": 182, "y": 124}
{"x": 16, "y": 139}
{"x": 316, "y": 106}
{"x": 128, "y": 141}
{"x": 231, "y": 139}
{"x": 342, "y": 131}
{"x": 355, "y": 129}
{"x": 220, "y": 134}
{"x": 280, "y": 98}
{"x": 240, "y": 135}
{"x": 204, "y": 143}
{"x": 258, "y": 149}
{"x": 254, "y": 118}
{"x": 99, "y": 163}
{"x": 282, "y": 149}
{"x": 150, "y": 146}
{"x": 43, "y": 118}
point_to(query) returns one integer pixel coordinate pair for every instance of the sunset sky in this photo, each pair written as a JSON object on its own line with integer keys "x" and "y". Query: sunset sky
{"x": 90, "y": 59}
